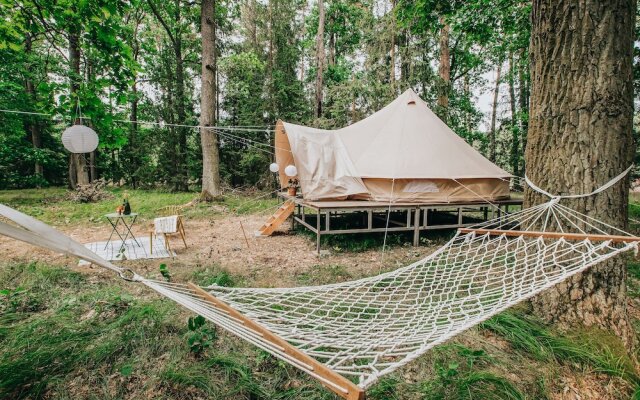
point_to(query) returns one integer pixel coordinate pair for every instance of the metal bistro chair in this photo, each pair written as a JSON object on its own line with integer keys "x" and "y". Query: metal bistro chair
{"x": 170, "y": 222}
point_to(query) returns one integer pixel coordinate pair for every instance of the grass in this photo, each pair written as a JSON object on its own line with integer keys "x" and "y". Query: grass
{"x": 58, "y": 329}
{"x": 51, "y": 205}
{"x": 594, "y": 349}
{"x": 66, "y": 336}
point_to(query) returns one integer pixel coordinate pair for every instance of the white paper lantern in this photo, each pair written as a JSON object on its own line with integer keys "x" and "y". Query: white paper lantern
{"x": 274, "y": 167}
{"x": 291, "y": 170}
{"x": 80, "y": 139}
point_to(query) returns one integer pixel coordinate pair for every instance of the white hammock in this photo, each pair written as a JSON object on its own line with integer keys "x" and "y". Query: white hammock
{"x": 364, "y": 329}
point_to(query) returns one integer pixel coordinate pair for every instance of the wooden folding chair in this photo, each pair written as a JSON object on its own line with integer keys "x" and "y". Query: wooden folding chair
{"x": 170, "y": 211}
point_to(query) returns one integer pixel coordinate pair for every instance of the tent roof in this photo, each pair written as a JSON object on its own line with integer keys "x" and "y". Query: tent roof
{"x": 406, "y": 139}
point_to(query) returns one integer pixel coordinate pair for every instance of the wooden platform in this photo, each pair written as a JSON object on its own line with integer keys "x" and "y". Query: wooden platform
{"x": 324, "y": 217}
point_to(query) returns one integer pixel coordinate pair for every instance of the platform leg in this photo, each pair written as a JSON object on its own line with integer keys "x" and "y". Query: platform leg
{"x": 318, "y": 216}
{"x": 416, "y": 227}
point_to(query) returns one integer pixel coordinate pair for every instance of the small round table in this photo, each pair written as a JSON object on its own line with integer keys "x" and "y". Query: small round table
{"x": 114, "y": 219}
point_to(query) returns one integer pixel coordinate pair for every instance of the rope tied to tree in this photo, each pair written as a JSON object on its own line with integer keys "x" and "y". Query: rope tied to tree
{"x": 556, "y": 198}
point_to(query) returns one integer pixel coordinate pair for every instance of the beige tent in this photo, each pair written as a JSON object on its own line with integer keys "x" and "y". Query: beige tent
{"x": 402, "y": 153}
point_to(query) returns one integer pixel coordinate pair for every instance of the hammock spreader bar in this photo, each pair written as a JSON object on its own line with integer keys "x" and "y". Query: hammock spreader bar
{"x": 328, "y": 378}
{"x": 553, "y": 235}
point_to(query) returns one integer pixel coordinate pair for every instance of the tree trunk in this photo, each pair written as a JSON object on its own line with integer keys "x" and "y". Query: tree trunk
{"x": 181, "y": 182}
{"x": 208, "y": 137}
{"x": 78, "y": 164}
{"x": 580, "y": 137}
{"x": 515, "y": 137}
{"x": 494, "y": 113}
{"x": 319, "y": 59}
{"x": 32, "y": 126}
{"x": 392, "y": 52}
{"x": 405, "y": 58}
{"x": 444, "y": 71}
{"x": 466, "y": 89}
{"x": 523, "y": 82}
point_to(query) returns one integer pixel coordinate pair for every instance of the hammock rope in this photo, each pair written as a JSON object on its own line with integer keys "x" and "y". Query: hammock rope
{"x": 348, "y": 335}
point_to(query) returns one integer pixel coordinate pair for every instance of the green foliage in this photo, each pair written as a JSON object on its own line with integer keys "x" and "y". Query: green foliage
{"x": 201, "y": 336}
{"x": 214, "y": 276}
{"x": 164, "y": 271}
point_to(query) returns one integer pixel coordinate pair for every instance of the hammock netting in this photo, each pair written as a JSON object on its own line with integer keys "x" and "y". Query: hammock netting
{"x": 367, "y": 328}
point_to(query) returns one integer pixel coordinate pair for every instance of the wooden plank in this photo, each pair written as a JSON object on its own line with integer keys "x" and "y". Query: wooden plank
{"x": 365, "y": 204}
{"x": 274, "y": 221}
{"x": 340, "y": 385}
{"x": 554, "y": 235}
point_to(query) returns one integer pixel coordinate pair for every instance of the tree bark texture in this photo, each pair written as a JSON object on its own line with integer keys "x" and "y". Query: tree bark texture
{"x": 319, "y": 59}
{"x": 208, "y": 137}
{"x": 444, "y": 71}
{"x": 580, "y": 137}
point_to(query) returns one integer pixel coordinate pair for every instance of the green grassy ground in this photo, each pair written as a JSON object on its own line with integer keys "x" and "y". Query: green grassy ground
{"x": 52, "y": 205}
{"x": 66, "y": 335}
{"x": 70, "y": 335}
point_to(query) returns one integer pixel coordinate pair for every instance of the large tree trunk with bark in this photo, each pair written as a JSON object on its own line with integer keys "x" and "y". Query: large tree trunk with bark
{"x": 208, "y": 137}
{"x": 580, "y": 137}
{"x": 78, "y": 171}
{"x": 444, "y": 70}
{"x": 494, "y": 115}
{"x": 319, "y": 59}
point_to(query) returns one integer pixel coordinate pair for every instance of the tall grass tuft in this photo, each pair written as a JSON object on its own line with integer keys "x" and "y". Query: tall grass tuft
{"x": 594, "y": 349}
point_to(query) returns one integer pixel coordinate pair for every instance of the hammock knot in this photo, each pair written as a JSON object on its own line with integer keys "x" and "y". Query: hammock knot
{"x": 554, "y": 200}
{"x": 128, "y": 275}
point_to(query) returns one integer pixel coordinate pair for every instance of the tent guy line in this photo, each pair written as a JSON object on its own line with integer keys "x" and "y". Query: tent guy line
{"x": 248, "y": 128}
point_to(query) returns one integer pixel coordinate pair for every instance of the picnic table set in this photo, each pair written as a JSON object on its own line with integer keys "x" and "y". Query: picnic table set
{"x": 122, "y": 243}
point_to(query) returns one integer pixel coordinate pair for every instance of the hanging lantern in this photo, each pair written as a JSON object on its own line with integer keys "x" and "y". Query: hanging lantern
{"x": 291, "y": 171}
{"x": 274, "y": 167}
{"x": 80, "y": 139}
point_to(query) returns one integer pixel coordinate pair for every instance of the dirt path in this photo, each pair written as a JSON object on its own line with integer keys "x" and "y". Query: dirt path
{"x": 284, "y": 259}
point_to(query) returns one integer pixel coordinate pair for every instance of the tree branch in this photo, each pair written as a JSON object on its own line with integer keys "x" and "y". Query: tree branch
{"x": 155, "y": 12}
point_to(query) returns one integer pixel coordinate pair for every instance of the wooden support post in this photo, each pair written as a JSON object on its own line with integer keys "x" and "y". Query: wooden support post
{"x": 370, "y": 219}
{"x": 327, "y": 219}
{"x": 460, "y": 216}
{"x": 330, "y": 379}
{"x": 318, "y": 231}
{"x": 416, "y": 227}
{"x": 554, "y": 235}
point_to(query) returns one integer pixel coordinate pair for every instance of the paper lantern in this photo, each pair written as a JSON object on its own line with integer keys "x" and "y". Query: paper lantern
{"x": 291, "y": 170}
{"x": 80, "y": 139}
{"x": 274, "y": 167}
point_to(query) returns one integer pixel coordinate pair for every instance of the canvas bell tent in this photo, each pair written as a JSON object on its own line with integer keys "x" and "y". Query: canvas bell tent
{"x": 402, "y": 153}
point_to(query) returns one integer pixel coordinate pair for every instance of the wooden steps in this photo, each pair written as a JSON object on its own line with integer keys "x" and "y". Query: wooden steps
{"x": 274, "y": 221}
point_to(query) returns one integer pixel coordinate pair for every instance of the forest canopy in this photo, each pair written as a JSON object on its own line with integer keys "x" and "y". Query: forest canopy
{"x": 327, "y": 64}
